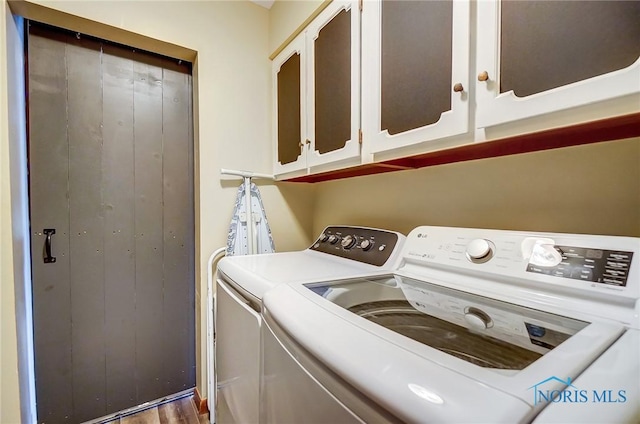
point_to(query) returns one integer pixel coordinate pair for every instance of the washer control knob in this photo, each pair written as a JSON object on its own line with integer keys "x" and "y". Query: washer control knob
{"x": 475, "y": 322}
{"x": 366, "y": 244}
{"x": 323, "y": 237}
{"x": 477, "y": 319}
{"x": 479, "y": 250}
{"x": 333, "y": 239}
{"x": 348, "y": 241}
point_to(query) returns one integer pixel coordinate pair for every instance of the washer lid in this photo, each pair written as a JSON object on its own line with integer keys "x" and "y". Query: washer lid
{"x": 416, "y": 381}
{"x": 486, "y": 332}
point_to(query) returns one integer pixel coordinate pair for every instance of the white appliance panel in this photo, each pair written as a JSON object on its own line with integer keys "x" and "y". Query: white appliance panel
{"x": 237, "y": 364}
{"x": 259, "y": 273}
{"x": 573, "y": 299}
{"x": 340, "y": 252}
{"x": 606, "y": 391}
{"x": 407, "y": 385}
{"x": 291, "y": 394}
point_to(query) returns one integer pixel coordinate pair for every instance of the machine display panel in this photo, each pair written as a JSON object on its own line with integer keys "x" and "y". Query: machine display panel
{"x": 595, "y": 265}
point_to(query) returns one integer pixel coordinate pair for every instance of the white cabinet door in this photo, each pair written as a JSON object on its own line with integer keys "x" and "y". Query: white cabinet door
{"x": 333, "y": 84}
{"x": 540, "y": 57}
{"x": 316, "y": 81}
{"x": 414, "y": 54}
{"x": 290, "y": 127}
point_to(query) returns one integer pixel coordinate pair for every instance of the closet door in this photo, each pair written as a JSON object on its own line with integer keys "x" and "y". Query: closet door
{"x": 112, "y": 221}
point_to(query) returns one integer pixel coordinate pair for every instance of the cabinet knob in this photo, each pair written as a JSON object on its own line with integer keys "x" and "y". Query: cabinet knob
{"x": 458, "y": 88}
{"x": 483, "y": 76}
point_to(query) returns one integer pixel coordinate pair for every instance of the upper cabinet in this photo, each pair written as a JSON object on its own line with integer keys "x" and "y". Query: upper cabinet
{"x": 415, "y": 72}
{"x": 441, "y": 74}
{"x": 538, "y": 57}
{"x": 317, "y": 92}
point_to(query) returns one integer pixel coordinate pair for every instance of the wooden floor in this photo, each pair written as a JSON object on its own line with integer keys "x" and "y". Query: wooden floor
{"x": 179, "y": 411}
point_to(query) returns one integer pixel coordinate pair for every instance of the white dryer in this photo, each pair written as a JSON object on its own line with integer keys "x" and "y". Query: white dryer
{"x": 340, "y": 252}
{"x": 474, "y": 326}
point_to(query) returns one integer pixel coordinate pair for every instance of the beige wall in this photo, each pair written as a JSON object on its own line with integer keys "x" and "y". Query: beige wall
{"x": 232, "y": 94}
{"x": 593, "y": 189}
{"x": 284, "y": 18}
{"x": 9, "y": 385}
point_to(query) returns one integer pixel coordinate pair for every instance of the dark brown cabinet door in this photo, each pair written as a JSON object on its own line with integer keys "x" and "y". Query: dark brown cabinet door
{"x": 538, "y": 58}
{"x": 289, "y": 112}
{"x": 332, "y": 84}
{"x": 550, "y": 44}
{"x": 416, "y": 48}
{"x": 415, "y": 74}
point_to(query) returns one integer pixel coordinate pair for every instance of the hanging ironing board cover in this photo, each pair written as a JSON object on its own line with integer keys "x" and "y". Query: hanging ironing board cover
{"x": 237, "y": 238}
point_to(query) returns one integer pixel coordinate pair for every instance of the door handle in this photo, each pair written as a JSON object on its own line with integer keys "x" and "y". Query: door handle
{"x": 48, "y": 259}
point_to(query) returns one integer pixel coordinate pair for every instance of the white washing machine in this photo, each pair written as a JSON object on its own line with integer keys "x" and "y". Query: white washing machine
{"x": 340, "y": 252}
{"x": 481, "y": 326}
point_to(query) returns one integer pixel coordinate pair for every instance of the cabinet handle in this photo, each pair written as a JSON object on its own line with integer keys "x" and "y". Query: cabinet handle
{"x": 301, "y": 144}
{"x": 458, "y": 88}
{"x": 483, "y": 76}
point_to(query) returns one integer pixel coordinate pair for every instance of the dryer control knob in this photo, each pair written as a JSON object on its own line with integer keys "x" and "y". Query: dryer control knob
{"x": 479, "y": 250}
{"x": 366, "y": 245}
{"x": 333, "y": 239}
{"x": 348, "y": 241}
{"x": 323, "y": 237}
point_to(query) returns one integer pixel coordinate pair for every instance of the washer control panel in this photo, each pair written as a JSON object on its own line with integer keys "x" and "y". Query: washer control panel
{"x": 367, "y": 245}
{"x": 586, "y": 264}
{"x": 591, "y": 263}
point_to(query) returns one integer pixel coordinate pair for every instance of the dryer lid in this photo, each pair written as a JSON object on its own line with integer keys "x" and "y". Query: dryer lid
{"x": 258, "y": 273}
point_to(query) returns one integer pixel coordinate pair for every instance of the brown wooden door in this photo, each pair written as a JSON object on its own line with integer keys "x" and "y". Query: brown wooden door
{"x": 111, "y": 171}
